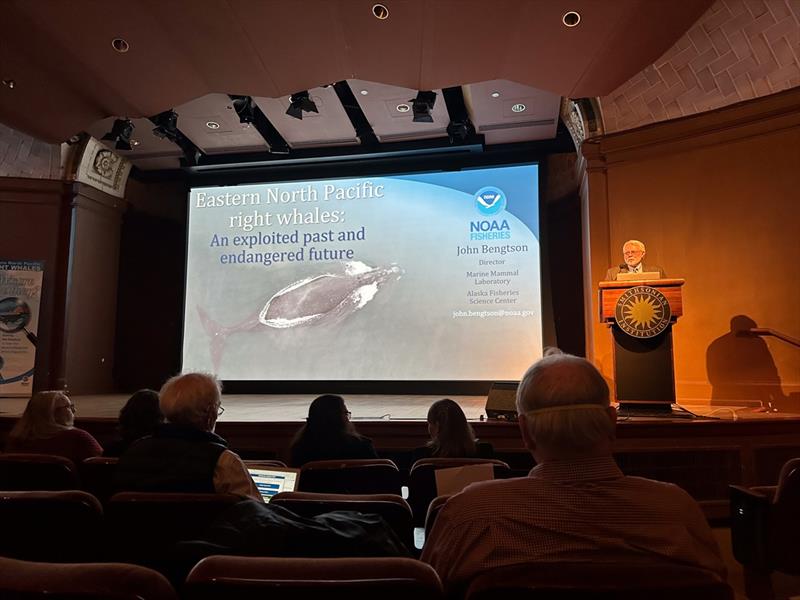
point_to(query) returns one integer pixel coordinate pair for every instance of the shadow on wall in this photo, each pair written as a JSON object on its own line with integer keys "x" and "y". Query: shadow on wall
{"x": 740, "y": 367}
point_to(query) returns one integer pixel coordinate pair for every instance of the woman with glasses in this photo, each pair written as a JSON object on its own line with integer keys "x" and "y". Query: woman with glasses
{"x": 328, "y": 434}
{"x": 47, "y": 427}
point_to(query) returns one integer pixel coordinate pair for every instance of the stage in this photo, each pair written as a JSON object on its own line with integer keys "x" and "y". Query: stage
{"x": 726, "y": 445}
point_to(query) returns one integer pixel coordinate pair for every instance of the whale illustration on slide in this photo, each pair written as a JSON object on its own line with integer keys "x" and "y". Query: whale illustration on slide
{"x": 324, "y": 298}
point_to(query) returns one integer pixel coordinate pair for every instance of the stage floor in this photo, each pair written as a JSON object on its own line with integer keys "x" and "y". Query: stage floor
{"x": 282, "y": 408}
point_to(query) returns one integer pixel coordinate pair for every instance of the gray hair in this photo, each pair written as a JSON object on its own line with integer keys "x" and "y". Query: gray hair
{"x": 190, "y": 399}
{"x": 559, "y": 381}
{"x": 636, "y": 243}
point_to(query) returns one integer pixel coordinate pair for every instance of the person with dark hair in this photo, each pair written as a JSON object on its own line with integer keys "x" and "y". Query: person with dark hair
{"x": 47, "y": 427}
{"x": 138, "y": 418}
{"x": 328, "y": 434}
{"x": 451, "y": 434}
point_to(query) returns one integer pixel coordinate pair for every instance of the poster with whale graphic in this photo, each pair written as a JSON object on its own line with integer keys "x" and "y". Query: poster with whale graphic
{"x": 415, "y": 277}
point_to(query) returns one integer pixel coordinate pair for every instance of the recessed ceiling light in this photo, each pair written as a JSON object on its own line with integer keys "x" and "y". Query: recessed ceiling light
{"x": 571, "y": 18}
{"x": 364, "y": 92}
{"x": 495, "y": 94}
{"x": 212, "y": 125}
{"x": 403, "y": 108}
{"x": 9, "y": 83}
{"x": 518, "y": 107}
{"x": 120, "y": 45}
{"x": 380, "y": 12}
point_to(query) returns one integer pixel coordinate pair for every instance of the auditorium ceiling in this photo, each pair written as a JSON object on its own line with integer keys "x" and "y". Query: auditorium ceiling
{"x": 229, "y": 70}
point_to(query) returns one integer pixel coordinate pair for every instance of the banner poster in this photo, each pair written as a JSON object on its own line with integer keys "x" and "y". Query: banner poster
{"x": 20, "y": 297}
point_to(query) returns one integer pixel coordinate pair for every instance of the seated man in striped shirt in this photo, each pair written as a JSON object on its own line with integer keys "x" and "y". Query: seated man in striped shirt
{"x": 575, "y": 505}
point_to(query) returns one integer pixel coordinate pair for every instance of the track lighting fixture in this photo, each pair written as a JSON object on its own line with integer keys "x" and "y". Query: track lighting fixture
{"x": 120, "y": 133}
{"x": 166, "y": 125}
{"x": 245, "y": 109}
{"x": 299, "y": 103}
{"x": 422, "y": 106}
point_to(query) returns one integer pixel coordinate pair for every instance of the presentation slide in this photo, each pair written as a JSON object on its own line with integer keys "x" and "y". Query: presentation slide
{"x": 414, "y": 277}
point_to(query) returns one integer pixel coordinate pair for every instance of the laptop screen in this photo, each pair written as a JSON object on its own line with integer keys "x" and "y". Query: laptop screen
{"x": 274, "y": 480}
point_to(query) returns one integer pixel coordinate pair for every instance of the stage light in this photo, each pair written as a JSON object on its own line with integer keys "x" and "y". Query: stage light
{"x": 300, "y": 103}
{"x": 121, "y": 134}
{"x": 166, "y": 125}
{"x": 459, "y": 131}
{"x": 422, "y": 106}
{"x": 245, "y": 109}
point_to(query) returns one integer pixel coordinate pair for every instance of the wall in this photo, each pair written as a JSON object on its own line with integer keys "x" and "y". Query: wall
{"x": 92, "y": 292}
{"x": 34, "y": 220}
{"x": 714, "y": 197}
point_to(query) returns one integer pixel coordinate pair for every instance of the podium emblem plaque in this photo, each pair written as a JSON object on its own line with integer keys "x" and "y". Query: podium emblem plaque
{"x": 642, "y": 312}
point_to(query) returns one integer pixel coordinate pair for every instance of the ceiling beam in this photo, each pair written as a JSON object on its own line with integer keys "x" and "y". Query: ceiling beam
{"x": 460, "y": 129}
{"x": 276, "y": 142}
{"x": 357, "y": 117}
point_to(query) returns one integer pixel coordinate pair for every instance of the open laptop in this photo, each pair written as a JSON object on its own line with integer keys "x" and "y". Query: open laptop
{"x": 273, "y": 480}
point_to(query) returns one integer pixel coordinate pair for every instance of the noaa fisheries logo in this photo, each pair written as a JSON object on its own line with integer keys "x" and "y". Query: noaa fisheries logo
{"x": 490, "y": 201}
{"x": 642, "y": 312}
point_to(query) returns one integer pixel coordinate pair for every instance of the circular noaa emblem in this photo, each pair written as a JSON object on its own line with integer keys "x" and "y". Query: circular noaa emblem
{"x": 642, "y": 312}
{"x": 490, "y": 200}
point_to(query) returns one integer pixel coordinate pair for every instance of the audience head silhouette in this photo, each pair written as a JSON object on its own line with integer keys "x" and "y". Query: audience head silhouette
{"x": 192, "y": 400}
{"x": 45, "y": 415}
{"x": 564, "y": 409}
{"x": 451, "y": 434}
{"x": 328, "y": 434}
{"x": 140, "y": 415}
{"x": 328, "y": 416}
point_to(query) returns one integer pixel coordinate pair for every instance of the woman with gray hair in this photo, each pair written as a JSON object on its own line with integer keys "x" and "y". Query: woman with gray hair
{"x": 47, "y": 427}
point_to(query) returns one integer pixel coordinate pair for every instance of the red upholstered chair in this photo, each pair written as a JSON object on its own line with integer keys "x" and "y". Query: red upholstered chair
{"x": 264, "y": 464}
{"x": 353, "y": 476}
{"x": 21, "y": 580}
{"x": 422, "y": 480}
{"x": 765, "y": 528}
{"x": 235, "y": 578}
{"x": 97, "y": 477}
{"x": 434, "y": 508}
{"x": 143, "y": 527}
{"x": 599, "y": 581}
{"x": 394, "y": 510}
{"x": 21, "y": 472}
{"x": 63, "y": 526}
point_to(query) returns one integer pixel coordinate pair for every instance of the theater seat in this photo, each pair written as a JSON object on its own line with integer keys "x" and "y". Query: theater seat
{"x": 97, "y": 477}
{"x": 89, "y": 581}
{"x": 62, "y": 526}
{"x": 422, "y": 480}
{"x": 392, "y": 508}
{"x": 21, "y": 472}
{"x": 264, "y": 464}
{"x": 144, "y": 527}
{"x": 240, "y": 578}
{"x": 765, "y": 528}
{"x": 641, "y": 580}
{"x": 353, "y": 476}
{"x": 434, "y": 508}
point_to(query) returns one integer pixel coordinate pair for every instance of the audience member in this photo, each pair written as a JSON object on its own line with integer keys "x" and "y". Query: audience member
{"x": 328, "y": 434}
{"x": 575, "y": 504}
{"x": 138, "y": 418}
{"x": 47, "y": 427}
{"x": 184, "y": 454}
{"x": 451, "y": 435}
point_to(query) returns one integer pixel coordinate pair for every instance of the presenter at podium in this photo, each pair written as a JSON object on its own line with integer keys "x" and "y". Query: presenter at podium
{"x": 633, "y": 252}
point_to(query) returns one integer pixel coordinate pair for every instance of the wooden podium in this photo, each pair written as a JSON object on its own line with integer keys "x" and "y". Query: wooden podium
{"x": 644, "y": 373}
